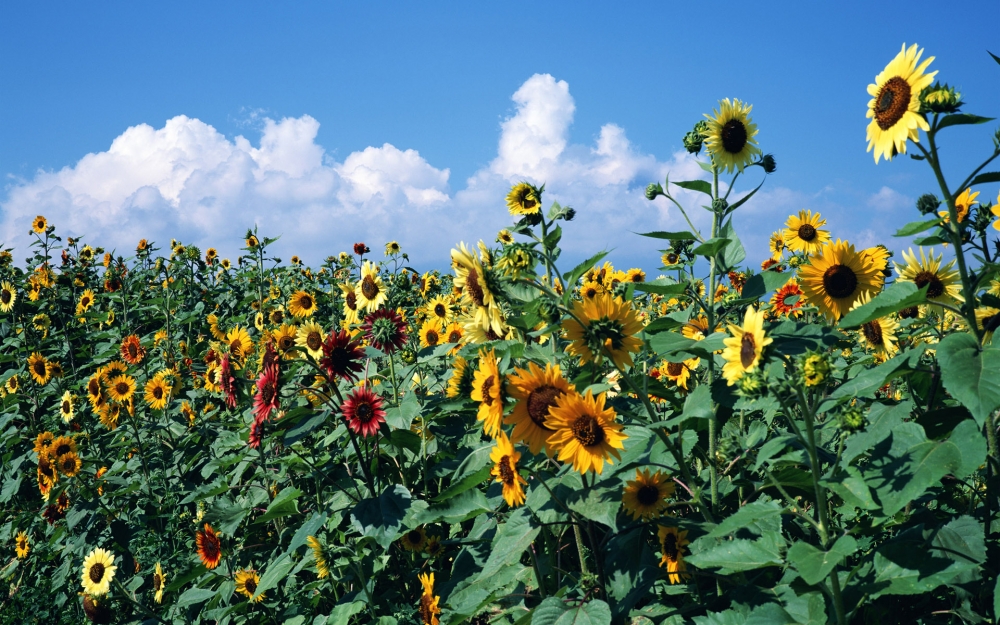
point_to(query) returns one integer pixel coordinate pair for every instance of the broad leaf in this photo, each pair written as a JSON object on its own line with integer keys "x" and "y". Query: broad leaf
{"x": 956, "y": 119}
{"x": 275, "y": 572}
{"x": 711, "y": 247}
{"x": 970, "y": 375}
{"x": 382, "y": 518}
{"x": 556, "y": 611}
{"x": 696, "y": 185}
{"x": 283, "y": 505}
{"x": 897, "y": 297}
{"x": 813, "y": 564}
{"x": 737, "y": 555}
{"x": 916, "y": 227}
{"x": 668, "y": 236}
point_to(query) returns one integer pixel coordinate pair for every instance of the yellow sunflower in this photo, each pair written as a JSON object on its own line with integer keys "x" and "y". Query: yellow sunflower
{"x": 38, "y": 367}
{"x": 440, "y": 308}
{"x": 157, "y": 393}
{"x": 535, "y": 391}
{"x": 743, "y": 350}
{"x": 310, "y": 337}
{"x": 351, "y": 315}
{"x": 239, "y": 342}
{"x": 13, "y": 383}
{"x": 85, "y": 302}
{"x": 98, "y": 570}
{"x": 8, "y": 295}
{"x": 995, "y": 209}
{"x": 487, "y": 389}
{"x": 470, "y": 277}
{"x": 835, "y": 278}
{"x": 69, "y": 464}
{"x": 505, "y": 459}
{"x": 523, "y": 200}
{"x": 302, "y": 304}
{"x": 370, "y": 290}
{"x": 672, "y": 543}
{"x": 603, "y": 326}
{"x": 679, "y": 372}
{"x": 878, "y": 334}
{"x": 696, "y": 328}
{"x": 988, "y": 320}
{"x": 453, "y": 333}
{"x": 66, "y": 406}
{"x": 430, "y": 333}
{"x": 39, "y": 224}
{"x": 284, "y": 340}
{"x": 460, "y": 382}
{"x": 322, "y": 570}
{"x": 591, "y": 289}
{"x": 429, "y": 609}
{"x": 646, "y": 496}
{"x": 22, "y": 545}
{"x": 414, "y": 539}
{"x": 777, "y": 245}
{"x": 943, "y": 282}
{"x": 584, "y": 431}
{"x": 895, "y": 104}
{"x": 963, "y": 204}
{"x": 159, "y": 583}
{"x": 276, "y": 316}
{"x": 246, "y": 584}
{"x": 730, "y": 135}
{"x": 121, "y": 388}
{"x": 802, "y": 233}
{"x": 61, "y": 445}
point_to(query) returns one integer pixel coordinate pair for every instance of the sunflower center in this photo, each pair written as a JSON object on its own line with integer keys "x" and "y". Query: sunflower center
{"x": 85, "y": 302}
{"x": 351, "y": 300}
{"x": 909, "y": 313}
{"x": 121, "y": 388}
{"x": 672, "y": 259}
{"x": 455, "y": 336}
{"x": 236, "y": 347}
{"x": 670, "y": 546}
{"x": 648, "y": 494}
{"x": 368, "y": 288}
{"x": 414, "y": 537}
{"x": 935, "y": 287}
{"x": 5, "y": 296}
{"x": 474, "y": 289}
{"x": 440, "y": 311}
{"x": 506, "y": 472}
{"x": 892, "y": 102}
{"x": 525, "y": 199}
{"x": 604, "y": 331}
{"x": 487, "y": 385}
{"x": 285, "y": 343}
{"x": 807, "y": 232}
{"x": 250, "y": 585}
{"x": 157, "y": 581}
{"x": 96, "y": 572}
{"x": 132, "y": 351}
{"x": 674, "y": 369}
{"x": 840, "y": 281}
{"x": 432, "y": 338}
{"x": 66, "y": 406}
{"x": 63, "y": 448}
{"x": 277, "y": 317}
{"x": 40, "y": 368}
{"x": 426, "y": 608}
{"x": 734, "y": 136}
{"x": 266, "y": 393}
{"x": 306, "y": 302}
{"x": 68, "y": 464}
{"x": 314, "y": 341}
{"x": 158, "y": 392}
{"x": 588, "y": 431}
{"x": 748, "y": 350}
{"x": 873, "y": 333}
{"x": 364, "y": 413}
{"x": 539, "y": 402}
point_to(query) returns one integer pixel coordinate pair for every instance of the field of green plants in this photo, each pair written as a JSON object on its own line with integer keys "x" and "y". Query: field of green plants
{"x": 803, "y": 434}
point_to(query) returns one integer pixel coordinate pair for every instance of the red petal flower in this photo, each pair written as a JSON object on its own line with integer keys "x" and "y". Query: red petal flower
{"x": 341, "y": 356}
{"x": 363, "y": 411}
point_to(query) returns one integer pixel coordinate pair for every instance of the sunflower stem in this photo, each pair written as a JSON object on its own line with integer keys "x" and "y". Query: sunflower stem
{"x": 580, "y": 549}
{"x": 392, "y": 373}
{"x": 710, "y": 313}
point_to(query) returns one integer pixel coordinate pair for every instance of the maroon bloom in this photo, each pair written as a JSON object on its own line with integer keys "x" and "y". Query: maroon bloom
{"x": 385, "y": 330}
{"x": 361, "y": 248}
{"x": 341, "y": 356}
{"x": 363, "y": 411}
{"x": 227, "y": 381}
{"x": 256, "y": 433}
{"x": 267, "y": 398}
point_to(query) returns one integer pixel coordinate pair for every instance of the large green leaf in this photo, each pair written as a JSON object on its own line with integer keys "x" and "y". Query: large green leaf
{"x": 970, "y": 374}
{"x": 225, "y": 516}
{"x": 381, "y": 518}
{"x": 456, "y": 509}
{"x": 897, "y": 297}
{"x": 556, "y": 611}
{"x": 900, "y": 480}
{"x": 759, "y": 285}
{"x": 711, "y": 247}
{"x": 734, "y": 252}
{"x": 750, "y": 513}
{"x": 275, "y": 572}
{"x": 956, "y": 119}
{"x": 283, "y": 505}
{"x": 737, "y": 555}
{"x": 920, "y": 559}
{"x": 669, "y": 236}
{"x": 916, "y": 227}
{"x": 814, "y": 564}
{"x": 696, "y": 185}
{"x": 194, "y": 595}
{"x": 870, "y": 380}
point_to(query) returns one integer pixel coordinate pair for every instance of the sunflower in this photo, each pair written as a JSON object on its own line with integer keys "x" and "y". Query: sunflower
{"x": 22, "y": 545}
{"x": 157, "y": 393}
{"x": 679, "y": 372}
{"x": 209, "y": 547}
{"x": 159, "y": 583}
{"x": 505, "y": 237}
{"x": 42, "y": 443}
{"x": 878, "y": 257}
{"x": 440, "y": 308}
{"x": 322, "y": 570}
{"x": 370, "y": 290}
{"x": 672, "y": 543}
{"x": 584, "y": 431}
{"x": 777, "y": 245}
{"x": 66, "y": 406}
{"x": 302, "y": 304}
{"x": 39, "y": 225}
{"x": 835, "y": 278}
{"x": 69, "y": 464}
{"x": 310, "y": 338}
{"x": 487, "y": 389}
{"x": 95, "y": 393}
{"x": 363, "y": 411}
{"x": 535, "y": 392}
{"x": 988, "y": 320}
{"x": 453, "y": 333}
{"x": 730, "y": 135}
{"x": 434, "y": 547}
{"x": 505, "y": 459}
{"x": 635, "y": 275}
{"x": 943, "y": 282}
{"x": 38, "y": 368}
{"x": 98, "y": 570}
{"x": 121, "y": 388}
{"x": 13, "y": 383}
{"x": 460, "y": 382}
{"x": 787, "y": 301}
{"x": 696, "y": 328}
{"x": 603, "y": 326}
{"x": 414, "y": 540}
{"x": 342, "y": 356}
{"x": 132, "y": 351}
{"x": 430, "y": 333}
{"x": 743, "y": 351}
{"x": 878, "y": 334}
{"x": 591, "y": 289}
{"x": 385, "y": 330}
{"x": 239, "y": 342}
{"x": 247, "y": 581}
{"x": 646, "y": 496}
{"x": 284, "y": 341}
{"x": 895, "y": 104}
{"x": 429, "y": 609}
{"x": 523, "y": 199}
{"x": 85, "y": 302}
{"x": 60, "y": 446}
{"x": 802, "y": 233}
{"x": 108, "y": 415}
{"x": 963, "y": 204}
{"x": 7, "y": 296}
{"x": 470, "y": 277}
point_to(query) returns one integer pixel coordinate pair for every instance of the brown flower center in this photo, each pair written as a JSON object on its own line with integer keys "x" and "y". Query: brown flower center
{"x": 432, "y": 337}
{"x": 93, "y": 388}
{"x": 5, "y": 296}
{"x": 648, "y": 494}
{"x": 96, "y": 572}
{"x": 670, "y": 546}
{"x": 807, "y": 232}
{"x": 122, "y": 388}
{"x": 672, "y": 258}
{"x": 539, "y": 402}
{"x": 506, "y": 472}
{"x": 68, "y": 465}
{"x": 414, "y": 537}
{"x": 314, "y": 341}
{"x": 351, "y": 300}
{"x": 426, "y": 608}
{"x": 909, "y": 313}
{"x": 473, "y": 288}
{"x": 368, "y": 288}
{"x": 66, "y": 406}
{"x": 455, "y": 336}
{"x": 39, "y": 368}
{"x": 588, "y": 431}
{"x": 158, "y": 392}
{"x": 487, "y": 385}
{"x": 873, "y": 333}
{"x": 925, "y": 278}
{"x": 250, "y": 585}
{"x": 285, "y": 343}
{"x": 734, "y": 136}
{"x": 63, "y": 448}
{"x": 674, "y": 369}
{"x": 840, "y": 281}
{"x": 364, "y": 413}
{"x": 157, "y": 581}
{"x": 85, "y": 302}
{"x": 132, "y": 351}
{"x": 748, "y": 350}
{"x": 236, "y": 348}
{"x": 892, "y": 102}
{"x": 440, "y": 310}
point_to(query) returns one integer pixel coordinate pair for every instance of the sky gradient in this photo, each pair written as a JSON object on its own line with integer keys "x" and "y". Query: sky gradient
{"x": 408, "y": 121}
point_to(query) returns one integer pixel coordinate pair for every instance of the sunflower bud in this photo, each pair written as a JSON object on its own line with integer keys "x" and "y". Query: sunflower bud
{"x": 570, "y": 214}
{"x": 928, "y": 203}
{"x": 769, "y": 164}
{"x": 694, "y": 139}
{"x": 815, "y": 369}
{"x": 653, "y": 189}
{"x": 719, "y": 205}
{"x": 940, "y": 98}
{"x": 409, "y": 356}
{"x": 852, "y": 418}
{"x": 753, "y": 384}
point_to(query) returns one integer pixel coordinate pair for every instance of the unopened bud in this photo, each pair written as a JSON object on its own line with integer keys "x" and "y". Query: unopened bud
{"x": 653, "y": 189}
{"x": 928, "y": 203}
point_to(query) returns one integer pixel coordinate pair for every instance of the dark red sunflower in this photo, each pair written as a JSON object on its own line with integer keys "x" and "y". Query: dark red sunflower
{"x": 227, "y": 381}
{"x": 361, "y": 248}
{"x": 209, "y": 547}
{"x": 385, "y": 330}
{"x": 256, "y": 434}
{"x": 132, "y": 351}
{"x": 341, "y": 356}
{"x": 363, "y": 411}
{"x": 267, "y": 398}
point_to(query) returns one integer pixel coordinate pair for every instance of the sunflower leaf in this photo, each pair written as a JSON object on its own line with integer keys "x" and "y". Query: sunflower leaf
{"x": 711, "y": 247}
{"x": 813, "y": 564}
{"x": 275, "y": 572}
{"x": 897, "y": 297}
{"x": 696, "y": 185}
{"x": 669, "y": 236}
{"x": 969, "y": 374}
{"x": 985, "y": 178}
{"x": 958, "y": 119}
{"x": 282, "y": 506}
{"x": 582, "y": 268}
{"x": 916, "y": 227}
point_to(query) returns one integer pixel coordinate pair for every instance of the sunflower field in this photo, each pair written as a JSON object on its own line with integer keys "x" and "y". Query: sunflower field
{"x": 804, "y": 435}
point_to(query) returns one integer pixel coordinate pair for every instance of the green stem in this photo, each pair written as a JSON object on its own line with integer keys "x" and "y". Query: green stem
{"x": 710, "y": 314}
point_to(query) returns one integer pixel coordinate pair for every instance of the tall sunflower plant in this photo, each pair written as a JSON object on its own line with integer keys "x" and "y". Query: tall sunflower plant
{"x": 193, "y": 438}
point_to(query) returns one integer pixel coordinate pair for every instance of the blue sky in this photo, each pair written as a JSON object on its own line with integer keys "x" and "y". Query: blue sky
{"x": 617, "y": 87}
